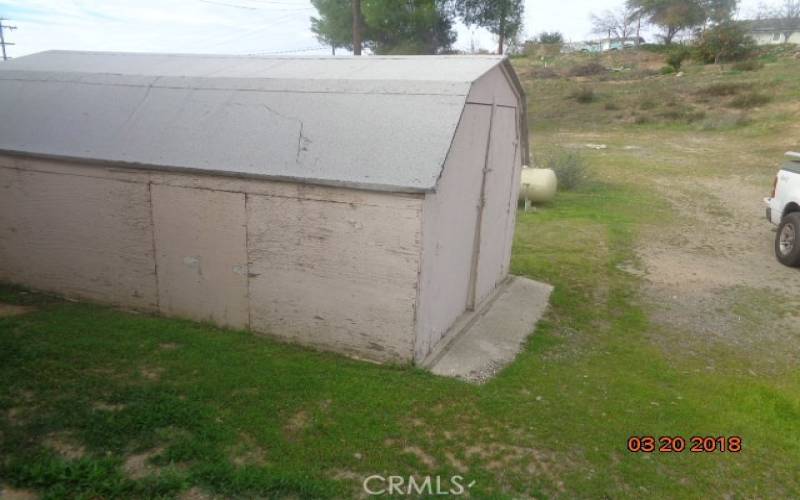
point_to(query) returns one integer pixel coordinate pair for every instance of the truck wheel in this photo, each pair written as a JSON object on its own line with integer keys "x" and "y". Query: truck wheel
{"x": 787, "y": 240}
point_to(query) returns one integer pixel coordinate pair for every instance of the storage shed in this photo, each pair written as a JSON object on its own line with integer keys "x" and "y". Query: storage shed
{"x": 361, "y": 205}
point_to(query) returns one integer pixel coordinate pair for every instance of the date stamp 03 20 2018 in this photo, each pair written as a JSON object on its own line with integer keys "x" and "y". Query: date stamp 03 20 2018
{"x": 679, "y": 444}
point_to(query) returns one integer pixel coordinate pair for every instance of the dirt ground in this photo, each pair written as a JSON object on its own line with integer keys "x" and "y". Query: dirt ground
{"x": 711, "y": 276}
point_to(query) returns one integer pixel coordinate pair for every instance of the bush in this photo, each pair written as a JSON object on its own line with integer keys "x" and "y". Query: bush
{"x": 749, "y": 65}
{"x": 752, "y": 100}
{"x": 583, "y": 95}
{"x": 724, "y": 43}
{"x": 552, "y": 37}
{"x": 544, "y": 73}
{"x": 683, "y": 115}
{"x": 667, "y": 70}
{"x": 647, "y": 104}
{"x": 570, "y": 170}
{"x": 676, "y": 56}
{"x": 727, "y": 122}
{"x": 588, "y": 69}
{"x": 724, "y": 89}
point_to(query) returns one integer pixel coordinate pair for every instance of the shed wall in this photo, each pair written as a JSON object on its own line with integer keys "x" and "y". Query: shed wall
{"x": 81, "y": 237}
{"x": 459, "y": 264}
{"x": 336, "y": 274}
{"x": 201, "y": 254}
{"x": 500, "y": 188}
{"x": 450, "y": 218}
{"x": 328, "y": 267}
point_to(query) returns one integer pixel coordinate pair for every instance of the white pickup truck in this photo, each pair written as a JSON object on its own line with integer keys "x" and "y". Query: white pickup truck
{"x": 783, "y": 210}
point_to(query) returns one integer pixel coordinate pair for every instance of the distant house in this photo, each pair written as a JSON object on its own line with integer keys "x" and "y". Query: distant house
{"x": 603, "y": 45}
{"x": 619, "y": 43}
{"x": 774, "y": 31}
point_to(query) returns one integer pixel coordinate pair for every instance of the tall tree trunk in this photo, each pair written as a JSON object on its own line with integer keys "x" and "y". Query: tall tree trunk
{"x": 502, "y": 35}
{"x": 638, "y": 31}
{"x": 671, "y": 32}
{"x": 356, "y": 27}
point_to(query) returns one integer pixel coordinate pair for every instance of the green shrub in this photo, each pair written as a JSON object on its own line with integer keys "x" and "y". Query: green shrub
{"x": 667, "y": 70}
{"x": 544, "y": 73}
{"x": 584, "y": 95}
{"x": 725, "y": 42}
{"x": 752, "y": 100}
{"x": 748, "y": 65}
{"x": 687, "y": 115}
{"x": 570, "y": 170}
{"x": 551, "y": 37}
{"x": 588, "y": 69}
{"x": 676, "y": 57}
{"x": 724, "y": 89}
{"x": 647, "y": 104}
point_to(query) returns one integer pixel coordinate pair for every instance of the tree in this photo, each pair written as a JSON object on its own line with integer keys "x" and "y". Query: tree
{"x": 619, "y": 24}
{"x": 551, "y": 38}
{"x": 388, "y": 26}
{"x": 672, "y": 16}
{"x": 409, "y": 26}
{"x": 786, "y": 17}
{"x": 502, "y": 18}
{"x": 727, "y": 41}
{"x": 719, "y": 11}
{"x": 334, "y": 26}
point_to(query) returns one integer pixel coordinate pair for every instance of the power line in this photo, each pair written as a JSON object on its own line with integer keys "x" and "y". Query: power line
{"x": 3, "y": 42}
{"x": 306, "y": 49}
{"x": 240, "y": 36}
{"x": 295, "y": 7}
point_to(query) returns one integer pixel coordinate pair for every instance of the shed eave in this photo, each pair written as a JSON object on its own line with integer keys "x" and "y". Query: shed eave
{"x": 359, "y": 186}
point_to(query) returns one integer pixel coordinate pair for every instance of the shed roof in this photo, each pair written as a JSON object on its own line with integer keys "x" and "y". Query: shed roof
{"x": 372, "y": 122}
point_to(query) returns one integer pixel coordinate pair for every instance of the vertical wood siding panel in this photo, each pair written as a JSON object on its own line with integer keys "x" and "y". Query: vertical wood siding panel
{"x": 79, "y": 236}
{"x": 201, "y": 254}
{"x": 336, "y": 275}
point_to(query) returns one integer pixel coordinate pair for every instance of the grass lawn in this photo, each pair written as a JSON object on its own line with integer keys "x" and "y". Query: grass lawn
{"x": 96, "y": 402}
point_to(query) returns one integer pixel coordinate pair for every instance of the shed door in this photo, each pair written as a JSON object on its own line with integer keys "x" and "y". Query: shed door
{"x": 498, "y": 211}
{"x": 201, "y": 257}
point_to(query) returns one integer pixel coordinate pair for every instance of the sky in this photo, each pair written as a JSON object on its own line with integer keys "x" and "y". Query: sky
{"x": 235, "y": 26}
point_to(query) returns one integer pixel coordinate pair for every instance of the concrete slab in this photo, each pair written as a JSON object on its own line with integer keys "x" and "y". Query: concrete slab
{"x": 488, "y": 339}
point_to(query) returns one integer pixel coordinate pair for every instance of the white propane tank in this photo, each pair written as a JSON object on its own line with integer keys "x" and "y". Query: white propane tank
{"x": 538, "y": 185}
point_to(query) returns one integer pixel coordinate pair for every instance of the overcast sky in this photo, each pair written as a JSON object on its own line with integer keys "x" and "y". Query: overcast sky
{"x": 232, "y": 26}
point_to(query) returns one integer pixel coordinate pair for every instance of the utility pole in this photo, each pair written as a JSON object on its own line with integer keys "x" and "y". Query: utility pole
{"x": 356, "y": 27}
{"x": 3, "y": 42}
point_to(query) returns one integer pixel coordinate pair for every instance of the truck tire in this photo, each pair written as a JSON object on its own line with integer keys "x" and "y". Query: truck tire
{"x": 787, "y": 240}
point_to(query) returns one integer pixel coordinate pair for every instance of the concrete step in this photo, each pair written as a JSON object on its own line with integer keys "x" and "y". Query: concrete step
{"x": 485, "y": 341}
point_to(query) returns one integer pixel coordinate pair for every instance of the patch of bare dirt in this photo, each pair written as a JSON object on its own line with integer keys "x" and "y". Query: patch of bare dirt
{"x": 247, "y": 452}
{"x": 9, "y": 493}
{"x": 196, "y": 494}
{"x": 103, "y": 406}
{"x": 423, "y": 457}
{"x": 168, "y": 346}
{"x": 500, "y": 457}
{"x": 152, "y": 373}
{"x": 297, "y": 423}
{"x": 139, "y": 465}
{"x": 713, "y": 277}
{"x": 65, "y": 445}
{"x": 354, "y": 478}
{"x": 7, "y": 310}
{"x": 456, "y": 463}
{"x": 14, "y": 416}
